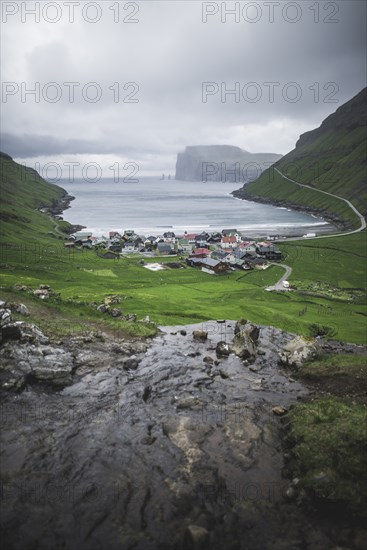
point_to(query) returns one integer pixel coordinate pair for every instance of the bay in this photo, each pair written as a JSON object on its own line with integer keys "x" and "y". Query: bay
{"x": 154, "y": 206}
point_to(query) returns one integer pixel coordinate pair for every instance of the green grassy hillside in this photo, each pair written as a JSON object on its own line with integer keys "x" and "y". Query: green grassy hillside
{"x": 23, "y": 194}
{"x": 331, "y": 158}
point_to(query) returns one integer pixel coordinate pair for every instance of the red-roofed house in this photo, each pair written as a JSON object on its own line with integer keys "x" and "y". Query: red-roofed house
{"x": 229, "y": 242}
{"x": 191, "y": 237}
{"x": 201, "y": 253}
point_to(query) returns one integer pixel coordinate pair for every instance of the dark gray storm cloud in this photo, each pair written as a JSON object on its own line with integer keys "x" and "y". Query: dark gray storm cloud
{"x": 144, "y": 90}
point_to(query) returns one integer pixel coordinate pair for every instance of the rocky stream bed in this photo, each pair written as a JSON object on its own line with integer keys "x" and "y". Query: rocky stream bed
{"x": 165, "y": 444}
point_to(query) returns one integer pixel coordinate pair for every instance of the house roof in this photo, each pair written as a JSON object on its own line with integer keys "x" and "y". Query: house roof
{"x": 258, "y": 261}
{"x": 82, "y": 234}
{"x": 164, "y": 246}
{"x": 271, "y": 248}
{"x": 191, "y": 235}
{"x": 219, "y": 254}
{"x": 238, "y": 253}
{"x": 198, "y": 251}
{"x": 229, "y": 240}
{"x": 209, "y": 262}
{"x": 228, "y": 231}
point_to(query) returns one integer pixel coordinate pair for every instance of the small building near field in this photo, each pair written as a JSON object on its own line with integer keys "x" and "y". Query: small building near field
{"x": 208, "y": 265}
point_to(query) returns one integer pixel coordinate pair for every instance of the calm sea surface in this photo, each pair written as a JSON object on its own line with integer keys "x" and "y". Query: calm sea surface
{"x": 153, "y": 206}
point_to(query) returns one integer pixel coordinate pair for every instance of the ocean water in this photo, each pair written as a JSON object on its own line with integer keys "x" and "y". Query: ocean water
{"x": 155, "y": 206}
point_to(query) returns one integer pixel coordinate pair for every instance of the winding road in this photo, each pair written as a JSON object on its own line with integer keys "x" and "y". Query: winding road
{"x": 288, "y": 270}
{"x": 279, "y": 285}
{"x": 361, "y": 218}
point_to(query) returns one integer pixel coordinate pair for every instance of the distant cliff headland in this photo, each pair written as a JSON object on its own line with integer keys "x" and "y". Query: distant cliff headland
{"x": 221, "y": 163}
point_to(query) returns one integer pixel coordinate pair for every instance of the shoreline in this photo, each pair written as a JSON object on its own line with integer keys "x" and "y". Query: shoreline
{"x": 324, "y": 225}
{"x": 328, "y": 217}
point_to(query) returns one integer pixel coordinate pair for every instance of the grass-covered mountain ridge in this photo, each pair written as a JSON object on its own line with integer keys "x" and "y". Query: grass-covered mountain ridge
{"x": 24, "y": 195}
{"x": 331, "y": 158}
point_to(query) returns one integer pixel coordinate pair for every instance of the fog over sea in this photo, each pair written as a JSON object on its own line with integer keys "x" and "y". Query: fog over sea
{"x": 153, "y": 206}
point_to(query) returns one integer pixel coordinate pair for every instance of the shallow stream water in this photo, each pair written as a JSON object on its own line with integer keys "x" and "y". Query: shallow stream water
{"x": 178, "y": 453}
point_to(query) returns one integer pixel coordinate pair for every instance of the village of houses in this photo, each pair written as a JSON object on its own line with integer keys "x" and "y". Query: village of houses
{"x": 213, "y": 253}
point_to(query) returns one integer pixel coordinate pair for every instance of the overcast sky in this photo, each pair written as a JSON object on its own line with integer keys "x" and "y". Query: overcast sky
{"x": 311, "y": 54}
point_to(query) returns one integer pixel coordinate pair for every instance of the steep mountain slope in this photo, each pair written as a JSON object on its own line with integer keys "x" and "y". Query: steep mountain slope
{"x": 221, "y": 163}
{"x": 331, "y": 158}
{"x": 26, "y": 201}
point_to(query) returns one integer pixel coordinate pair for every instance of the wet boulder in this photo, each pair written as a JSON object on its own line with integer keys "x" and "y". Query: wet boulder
{"x": 200, "y": 335}
{"x": 130, "y": 363}
{"x": 23, "y": 363}
{"x": 55, "y": 366}
{"x": 223, "y": 349}
{"x": 244, "y": 347}
{"x": 298, "y": 351}
{"x": 246, "y": 335}
{"x": 246, "y": 327}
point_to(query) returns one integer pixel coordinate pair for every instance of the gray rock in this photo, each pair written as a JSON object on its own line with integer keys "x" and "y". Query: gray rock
{"x": 248, "y": 328}
{"x": 130, "y": 317}
{"x": 21, "y": 308}
{"x": 32, "y": 334}
{"x": 279, "y": 410}
{"x": 298, "y": 351}
{"x": 223, "y": 349}
{"x": 55, "y": 367}
{"x": 41, "y": 363}
{"x": 103, "y": 308}
{"x": 116, "y": 312}
{"x": 5, "y": 317}
{"x": 223, "y": 374}
{"x": 243, "y": 346}
{"x": 130, "y": 363}
{"x": 190, "y": 402}
{"x": 43, "y": 294}
{"x": 11, "y": 331}
{"x": 200, "y": 335}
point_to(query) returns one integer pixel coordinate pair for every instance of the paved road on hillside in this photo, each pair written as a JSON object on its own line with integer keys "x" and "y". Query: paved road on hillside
{"x": 361, "y": 218}
{"x": 279, "y": 284}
